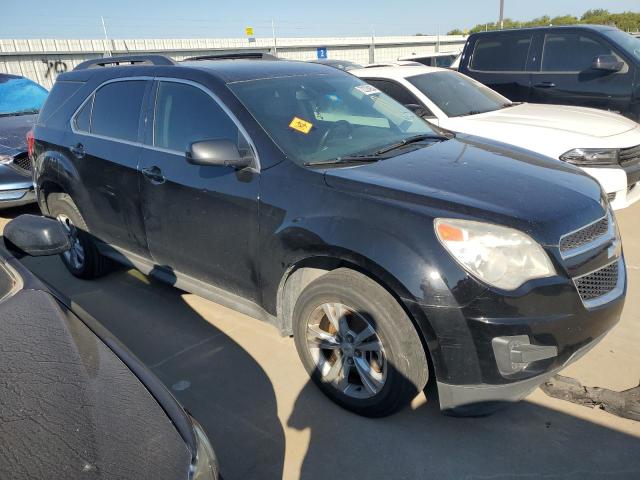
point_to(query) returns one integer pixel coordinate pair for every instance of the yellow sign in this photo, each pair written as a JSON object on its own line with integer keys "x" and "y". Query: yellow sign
{"x": 249, "y": 31}
{"x": 300, "y": 125}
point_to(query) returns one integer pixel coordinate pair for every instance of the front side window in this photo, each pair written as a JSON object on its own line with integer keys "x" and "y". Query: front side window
{"x": 322, "y": 117}
{"x": 20, "y": 96}
{"x": 116, "y": 109}
{"x": 570, "y": 52}
{"x": 185, "y": 114}
{"x": 503, "y": 53}
{"x": 399, "y": 93}
{"x": 458, "y": 95}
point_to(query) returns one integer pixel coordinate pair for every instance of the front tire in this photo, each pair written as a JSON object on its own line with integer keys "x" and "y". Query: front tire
{"x": 83, "y": 260}
{"x": 358, "y": 344}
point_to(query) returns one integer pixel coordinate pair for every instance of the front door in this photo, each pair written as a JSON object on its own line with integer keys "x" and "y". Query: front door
{"x": 201, "y": 221}
{"x": 566, "y": 76}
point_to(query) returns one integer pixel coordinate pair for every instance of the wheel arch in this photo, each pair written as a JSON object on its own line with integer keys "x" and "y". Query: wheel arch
{"x": 304, "y": 271}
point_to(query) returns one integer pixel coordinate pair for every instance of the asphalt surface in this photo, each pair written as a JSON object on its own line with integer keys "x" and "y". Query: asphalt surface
{"x": 247, "y": 387}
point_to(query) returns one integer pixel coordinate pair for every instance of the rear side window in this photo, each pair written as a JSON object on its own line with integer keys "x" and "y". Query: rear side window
{"x": 571, "y": 52}
{"x": 185, "y": 114}
{"x": 82, "y": 121}
{"x": 116, "y": 109}
{"x": 60, "y": 93}
{"x": 505, "y": 53}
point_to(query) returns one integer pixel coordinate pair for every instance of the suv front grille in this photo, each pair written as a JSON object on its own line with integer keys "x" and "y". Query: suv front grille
{"x": 629, "y": 155}
{"x": 585, "y": 235}
{"x": 23, "y": 163}
{"x": 598, "y": 283}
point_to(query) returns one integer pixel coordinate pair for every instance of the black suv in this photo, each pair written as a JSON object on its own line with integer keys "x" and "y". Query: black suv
{"x": 300, "y": 195}
{"x": 588, "y": 65}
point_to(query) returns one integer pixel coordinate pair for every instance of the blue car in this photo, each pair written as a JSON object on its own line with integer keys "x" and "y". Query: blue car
{"x": 20, "y": 102}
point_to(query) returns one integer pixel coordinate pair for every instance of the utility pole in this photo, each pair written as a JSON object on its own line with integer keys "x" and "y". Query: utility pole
{"x": 501, "y": 14}
{"x": 275, "y": 40}
{"x": 372, "y": 47}
{"x": 106, "y": 37}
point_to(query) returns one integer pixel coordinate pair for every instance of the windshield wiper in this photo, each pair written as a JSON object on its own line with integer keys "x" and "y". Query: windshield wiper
{"x": 409, "y": 140}
{"x": 345, "y": 159}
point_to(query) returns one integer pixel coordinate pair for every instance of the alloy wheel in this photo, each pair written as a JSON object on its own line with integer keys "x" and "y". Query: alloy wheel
{"x": 346, "y": 350}
{"x": 75, "y": 255}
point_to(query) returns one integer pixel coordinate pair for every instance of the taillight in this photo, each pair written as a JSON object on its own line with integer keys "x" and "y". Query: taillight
{"x": 31, "y": 143}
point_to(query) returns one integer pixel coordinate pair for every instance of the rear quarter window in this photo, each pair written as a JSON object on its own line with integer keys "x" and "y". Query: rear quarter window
{"x": 504, "y": 53}
{"x": 58, "y": 96}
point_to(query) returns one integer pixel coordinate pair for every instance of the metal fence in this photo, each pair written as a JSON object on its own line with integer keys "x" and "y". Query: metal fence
{"x": 43, "y": 59}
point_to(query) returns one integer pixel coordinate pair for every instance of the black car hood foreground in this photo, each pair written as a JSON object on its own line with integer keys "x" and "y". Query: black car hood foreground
{"x": 69, "y": 407}
{"x": 13, "y": 133}
{"x": 484, "y": 180}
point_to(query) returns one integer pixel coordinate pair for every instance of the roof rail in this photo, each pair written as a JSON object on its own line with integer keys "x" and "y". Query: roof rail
{"x": 234, "y": 56}
{"x": 126, "y": 60}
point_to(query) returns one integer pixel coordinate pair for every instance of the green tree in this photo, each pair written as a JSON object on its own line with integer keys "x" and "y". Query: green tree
{"x": 455, "y": 31}
{"x": 627, "y": 21}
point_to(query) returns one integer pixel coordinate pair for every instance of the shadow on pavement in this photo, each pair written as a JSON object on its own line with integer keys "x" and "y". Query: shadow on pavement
{"x": 522, "y": 441}
{"x": 216, "y": 380}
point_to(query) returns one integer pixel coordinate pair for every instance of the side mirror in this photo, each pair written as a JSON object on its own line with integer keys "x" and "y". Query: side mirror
{"x": 607, "y": 63}
{"x": 36, "y": 236}
{"x": 419, "y": 110}
{"x": 217, "y": 152}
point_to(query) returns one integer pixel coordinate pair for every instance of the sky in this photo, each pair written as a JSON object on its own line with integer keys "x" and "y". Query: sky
{"x": 292, "y": 18}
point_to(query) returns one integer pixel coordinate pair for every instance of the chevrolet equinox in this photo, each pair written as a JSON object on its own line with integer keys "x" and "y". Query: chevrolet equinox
{"x": 301, "y": 196}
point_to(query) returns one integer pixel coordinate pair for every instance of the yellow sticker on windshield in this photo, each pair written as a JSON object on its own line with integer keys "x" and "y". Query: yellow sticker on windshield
{"x": 301, "y": 125}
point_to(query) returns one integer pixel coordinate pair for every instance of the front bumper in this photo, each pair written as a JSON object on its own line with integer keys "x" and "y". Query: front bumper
{"x": 549, "y": 314}
{"x": 481, "y": 398}
{"x": 622, "y": 185}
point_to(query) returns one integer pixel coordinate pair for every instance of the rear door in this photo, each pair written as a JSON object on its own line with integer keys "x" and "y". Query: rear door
{"x": 565, "y": 76}
{"x": 106, "y": 146}
{"x": 501, "y": 61}
{"x": 201, "y": 221}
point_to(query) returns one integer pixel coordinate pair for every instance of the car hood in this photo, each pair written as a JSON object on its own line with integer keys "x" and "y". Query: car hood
{"x": 476, "y": 178}
{"x": 560, "y": 119}
{"x": 70, "y": 407}
{"x": 13, "y": 133}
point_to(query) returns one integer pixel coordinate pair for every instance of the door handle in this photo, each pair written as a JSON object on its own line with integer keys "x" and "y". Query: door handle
{"x": 77, "y": 150}
{"x": 154, "y": 174}
{"x": 545, "y": 85}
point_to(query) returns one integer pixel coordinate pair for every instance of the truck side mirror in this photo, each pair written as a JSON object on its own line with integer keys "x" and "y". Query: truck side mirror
{"x": 607, "y": 63}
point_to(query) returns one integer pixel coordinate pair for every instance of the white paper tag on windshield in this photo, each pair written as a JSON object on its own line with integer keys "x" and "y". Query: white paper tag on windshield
{"x": 367, "y": 89}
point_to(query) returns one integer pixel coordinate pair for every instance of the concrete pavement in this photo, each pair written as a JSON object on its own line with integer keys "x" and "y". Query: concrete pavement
{"x": 247, "y": 387}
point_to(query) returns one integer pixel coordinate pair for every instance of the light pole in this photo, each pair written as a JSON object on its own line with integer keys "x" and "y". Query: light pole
{"x": 501, "y": 14}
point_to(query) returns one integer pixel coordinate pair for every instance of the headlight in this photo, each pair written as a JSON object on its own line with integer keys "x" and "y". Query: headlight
{"x": 591, "y": 156}
{"x": 4, "y": 159}
{"x": 500, "y": 256}
{"x": 205, "y": 466}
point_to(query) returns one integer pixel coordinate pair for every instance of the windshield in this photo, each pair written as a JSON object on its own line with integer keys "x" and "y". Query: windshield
{"x": 321, "y": 117}
{"x": 20, "y": 96}
{"x": 629, "y": 43}
{"x": 457, "y": 95}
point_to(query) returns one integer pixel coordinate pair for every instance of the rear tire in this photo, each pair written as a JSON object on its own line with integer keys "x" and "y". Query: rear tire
{"x": 83, "y": 260}
{"x": 358, "y": 344}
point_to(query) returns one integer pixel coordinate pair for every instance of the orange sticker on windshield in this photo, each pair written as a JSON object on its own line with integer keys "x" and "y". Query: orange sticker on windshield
{"x": 301, "y": 125}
